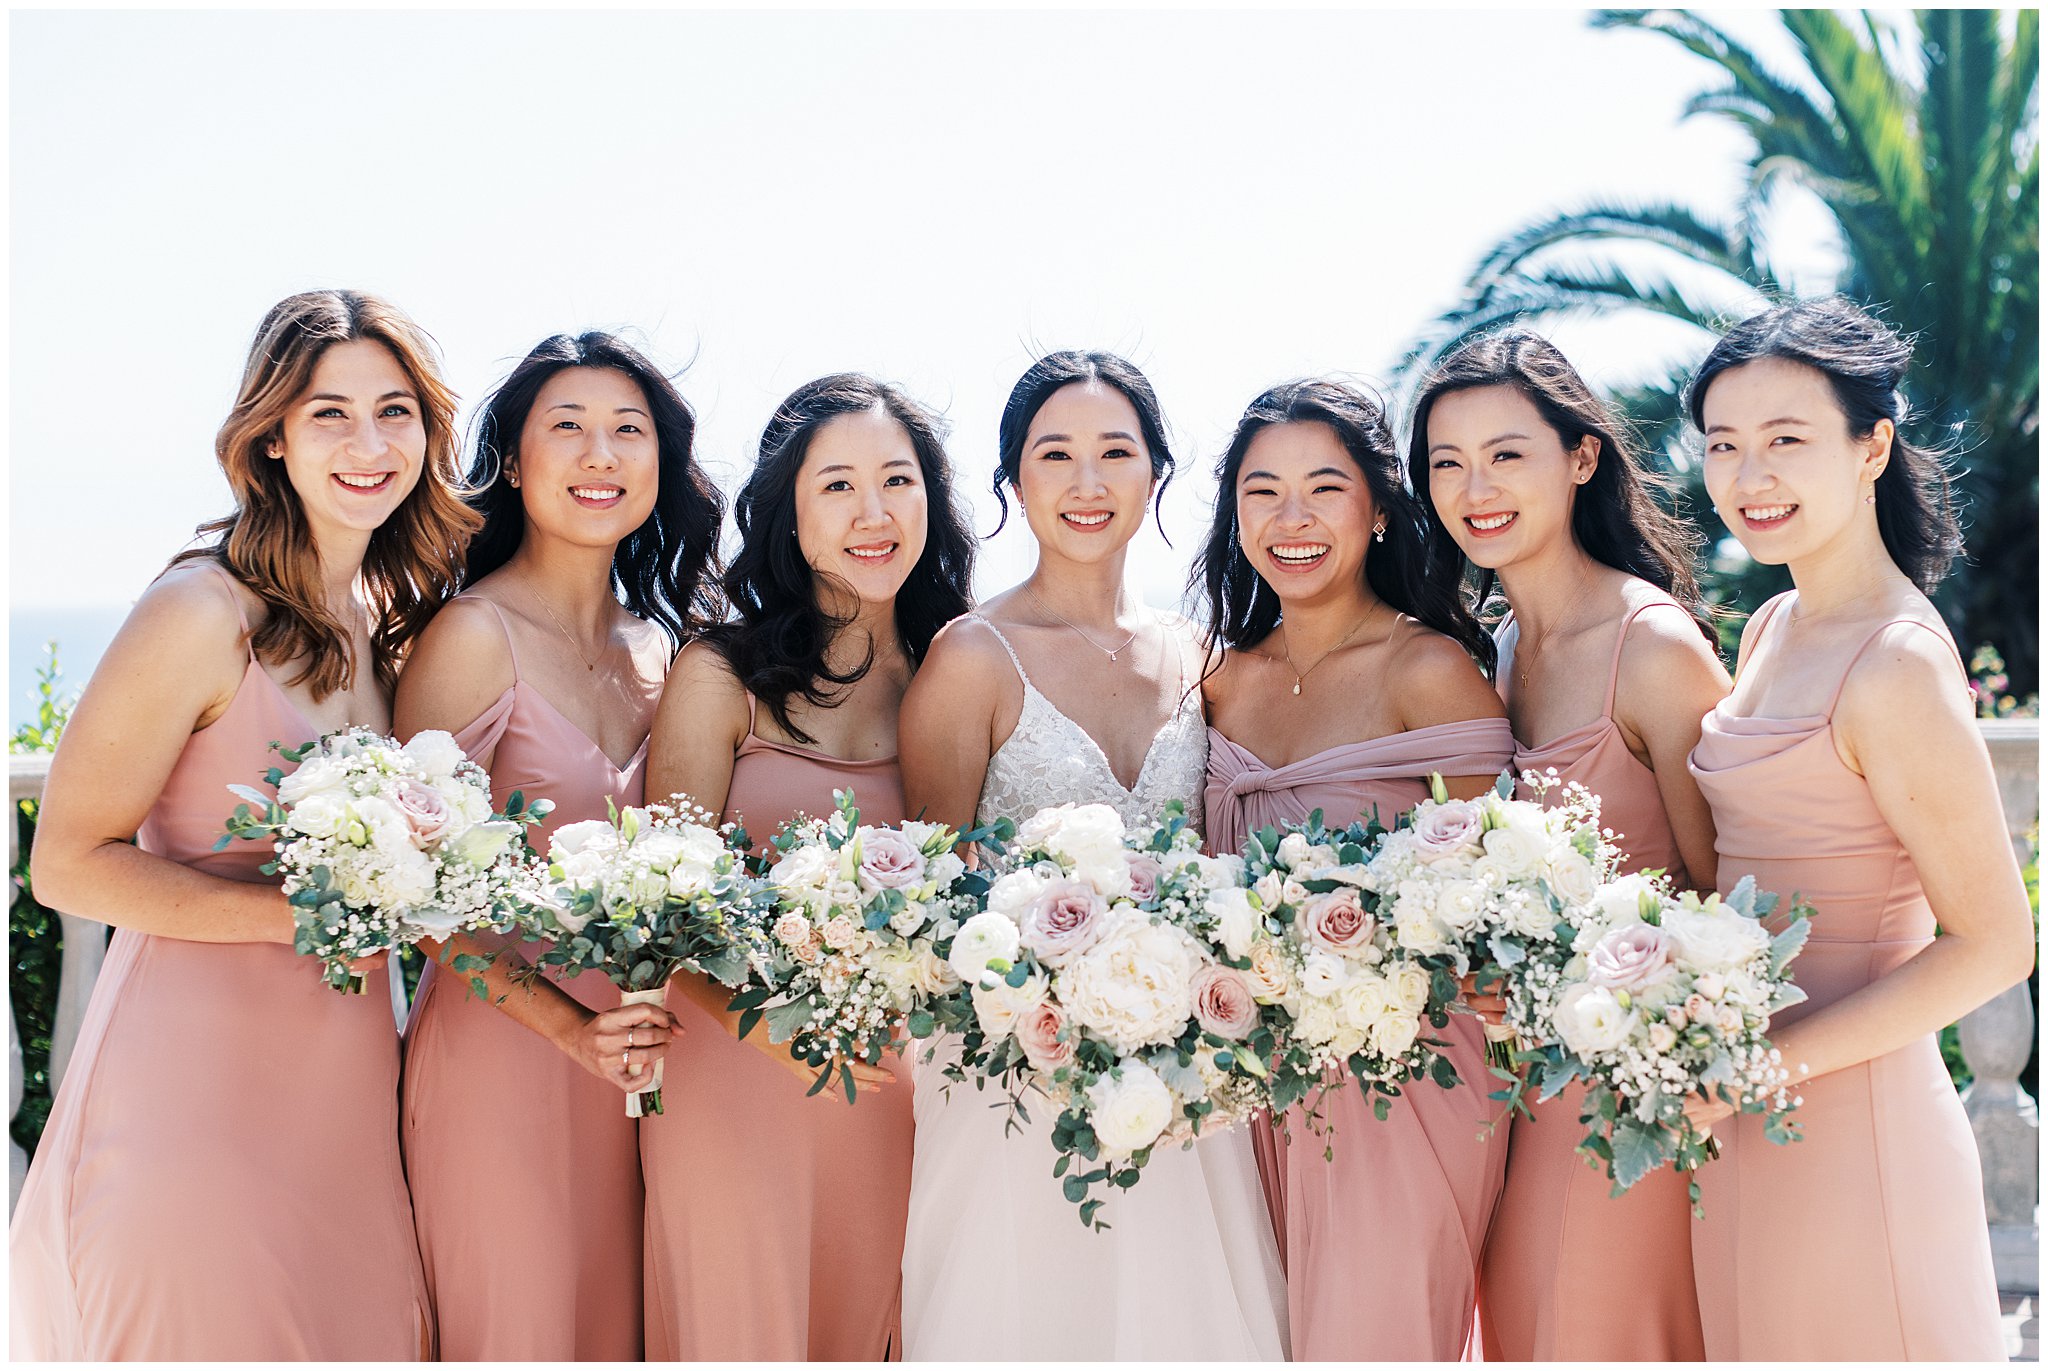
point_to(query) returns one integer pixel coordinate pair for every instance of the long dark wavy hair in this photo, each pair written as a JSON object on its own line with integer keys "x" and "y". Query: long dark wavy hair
{"x": 1616, "y": 518}
{"x": 665, "y": 570}
{"x": 1054, "y": 372}
{"x": 1865, "y": 362}
{"x": 777, "y": 642}
{"x": 1242, "y": 608}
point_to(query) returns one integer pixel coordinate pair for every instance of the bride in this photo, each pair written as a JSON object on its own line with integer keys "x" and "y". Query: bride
{"x": 1187, "y": 1268}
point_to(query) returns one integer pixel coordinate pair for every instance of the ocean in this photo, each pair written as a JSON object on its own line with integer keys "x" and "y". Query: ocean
{"x": 81, "y": 635}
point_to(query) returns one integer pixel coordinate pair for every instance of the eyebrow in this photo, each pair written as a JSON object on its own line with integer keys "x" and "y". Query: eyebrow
{"x": 1068, "y": 438}
{"x": 848, "y": 466}
{"x": 1319, "y": 471}
{"x": 1768, "y": 423}
{"x": 622, "y": 409}
{"x": 388, "y": 395}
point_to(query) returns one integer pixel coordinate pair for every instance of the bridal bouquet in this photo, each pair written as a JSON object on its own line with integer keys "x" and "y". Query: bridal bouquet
{"x": 638, "y": 897}
{"x": 1334, "y": 988}
{"x": 382, "y": 845}
{"x": 846, "y": 948}
{"x": 1097, "y": 976}
{"x": 1663, "y": 998}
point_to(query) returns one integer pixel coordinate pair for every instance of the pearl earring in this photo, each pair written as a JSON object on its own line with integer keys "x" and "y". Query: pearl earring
{"x": 1379, "y": 535}
{"x": 1871, "y": 498}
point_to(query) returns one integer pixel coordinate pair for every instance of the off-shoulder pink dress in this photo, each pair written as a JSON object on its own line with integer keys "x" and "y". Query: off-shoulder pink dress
{"x": 1547, "y": 1282}
{"x": 775, "y": 1220}
{"x": 1865, "y": 1240}
{"x": 1382, "y": 1243}
{"x": 525, "y": 1169}
{"x": 220, "y": 1177}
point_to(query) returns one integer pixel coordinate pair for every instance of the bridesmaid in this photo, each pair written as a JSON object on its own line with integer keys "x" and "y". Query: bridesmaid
{"x": 585, "y": 477}
{"x": 1608, "y": 655}
{"x": 220, "y": 1178}
{"x": 775, "y": 1221}
{"x": 1865, "y": 1240}
{"x": 1349, "y": 678}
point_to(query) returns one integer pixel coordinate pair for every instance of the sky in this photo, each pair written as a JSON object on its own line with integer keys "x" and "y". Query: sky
{"x": 1230, "y": 199}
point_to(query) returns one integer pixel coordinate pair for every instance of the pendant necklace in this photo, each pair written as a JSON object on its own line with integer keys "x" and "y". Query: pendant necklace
{"x": 1299, "y": 674}
{"x": 574, "y": 646}
{"x": 1112, "y": 651}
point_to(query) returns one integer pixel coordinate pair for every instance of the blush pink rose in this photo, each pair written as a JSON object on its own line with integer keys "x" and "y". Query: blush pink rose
{"x": 1063, "y": 922}
{"x": 889, "y": 861}
{"x": 1144, "y": 875}
{"x": 426, "y": 813}
{"x": 1224, "y": 1004}
{"x": 1336, "y": 920}
{"x": 1629, "y": 957}
{"x": 1449, "y": 829}
{"x": 1037, "y": 1031}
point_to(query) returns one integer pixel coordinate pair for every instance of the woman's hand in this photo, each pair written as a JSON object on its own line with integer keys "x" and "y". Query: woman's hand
{"x": 622, "y": 1045}
{"x": 1703, "y": 1114}
{"x": 866, "y": 1079}
{"x": 1491, "y": 1008}
{"x": 364, "y": 966}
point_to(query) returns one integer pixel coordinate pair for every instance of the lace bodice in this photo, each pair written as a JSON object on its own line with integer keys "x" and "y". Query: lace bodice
{"x": 1048, "y": 759}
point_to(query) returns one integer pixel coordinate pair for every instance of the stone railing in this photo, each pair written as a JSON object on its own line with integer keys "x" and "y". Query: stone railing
{"x": 1996, "y": 1039}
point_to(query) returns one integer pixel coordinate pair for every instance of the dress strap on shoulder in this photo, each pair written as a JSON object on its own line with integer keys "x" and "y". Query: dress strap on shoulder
{"x": 241, "y": 615}
{"x": 1015, "y": 661}
{"x": 753, "y": 709}
{"x": 1877, "y": 633}
{"x": 505, "y": 625}
{"x": 1621, "y": 641}
{"x": 1762, "y": 619}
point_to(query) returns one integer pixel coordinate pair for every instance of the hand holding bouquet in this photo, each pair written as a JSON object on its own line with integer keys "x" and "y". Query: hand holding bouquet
{"x": 382, "y": 845}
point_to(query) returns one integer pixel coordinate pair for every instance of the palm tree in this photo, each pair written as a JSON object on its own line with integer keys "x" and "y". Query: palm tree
{"x": 1921, "y": 138}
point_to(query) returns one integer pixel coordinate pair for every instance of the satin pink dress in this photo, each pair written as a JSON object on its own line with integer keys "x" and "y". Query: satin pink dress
{"x": 525, "y": 1169}
{"x": 1865, "y": 1240}
{"x": 220, "y": 1177}
{"x": 1381, "y": 1243}
{"x": 1547, "y": 1281}
{"x": 774, "y": 1220}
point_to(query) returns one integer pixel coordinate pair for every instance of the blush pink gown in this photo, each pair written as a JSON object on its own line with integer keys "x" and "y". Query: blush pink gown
{"x": 1866, "y": 1240}
{"x": 1382, "y": 1243}
{"x": 525, "y": 1169}
{"x": 220, "y": 1177}
{"x": 774, "y": 1220}
{"x": 1547, "y": 1278}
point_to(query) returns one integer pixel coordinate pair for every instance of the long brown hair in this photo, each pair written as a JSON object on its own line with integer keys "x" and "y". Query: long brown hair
{"x": 415, "y": 557}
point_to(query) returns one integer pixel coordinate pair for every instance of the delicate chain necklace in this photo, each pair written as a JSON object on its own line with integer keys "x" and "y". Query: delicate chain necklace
{"x": 574, "y": 646}
{"x": 1043, "y": 609}
{"x": 1299, "y": 674}
{"x": 1522, "y": 671}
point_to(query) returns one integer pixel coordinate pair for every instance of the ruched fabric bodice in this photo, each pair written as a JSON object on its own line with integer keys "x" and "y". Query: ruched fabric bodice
{"x": 773, "y": 783}
{"x": 474, "y": 1076}
{"x": 1878, "y": 1211}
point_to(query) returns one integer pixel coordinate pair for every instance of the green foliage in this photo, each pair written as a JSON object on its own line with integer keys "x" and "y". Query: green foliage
{"x": 1920, "y": 137}
{"x": 35, "y": 939}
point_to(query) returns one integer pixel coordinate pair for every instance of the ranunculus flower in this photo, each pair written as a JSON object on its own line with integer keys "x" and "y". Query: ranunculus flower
{"x": 1447, "y": 830}
{"x": 1336, "y": 920}
{"x": 1589, "y": 1019}
{"x": 1223, "y": 1003}
{"x": 426, "y": 813}
{"x": 889, "y": 861}
{"x": 1129, "y": 1108}
{"x": 1038, "y": 1032}
{"x": 1063, "y": 922}
{"x": 983, "y": 939}
{"x": 1630, "y": 958}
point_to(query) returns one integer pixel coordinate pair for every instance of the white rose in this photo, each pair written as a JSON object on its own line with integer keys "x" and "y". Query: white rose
{"x": 1293, "y": 851}
{"x": 908, "y": 919}
{"x": 659, "y": 849}
{"x": 1322, "y": 974}
{"x": 1268, "y": 889}
{"x": 934, "y": 975}
{"x": 1529, "y": 915}
{"x": 435, "y": 753}
{"x": 1270, "y": 977}
{"x": 1416, "y": 929}
{"x": 1293, "y": 892}
{"x": 897, "y": 967}
{"x": 1571, "y": 877}
{"x": 315, "y": 776}
{"x": 1135, "y": 986}
{"x": 982, "y": 939}
{"x": 1589, "y": 1019}
{"x": 803, "y": 870}
{"x": 1129, "y": 1109}
{"x": 1663, "y": 1037}
{"x": 997, "y": 1006}
{"x": 1016, "y": 892}
{"x": 570, "y": 839}
{"x": 1411, "y": 985}
{"x": 320, "y": 814}
{"x": 1236, "y": 920}
{"x": 1365, "y": 1000}
{"x": 1515, "y": 852}
{"x": 1714, "y": 941}
{"x": 1317, "y": 1022}
{"x": 1460, "y": 905}
{"x": 1620, "y": 901}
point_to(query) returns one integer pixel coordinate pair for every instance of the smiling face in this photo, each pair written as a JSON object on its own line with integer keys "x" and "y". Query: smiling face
{"x": 588, "y": 465}
{"x": 1085, "y": 478}
{"x": 861, "y": 506}
{"x": 1785, "y": 473}
{"x": 1501, "y": 479}
{"x": 354, "y": 444}
{"x": 1305, "y": 515}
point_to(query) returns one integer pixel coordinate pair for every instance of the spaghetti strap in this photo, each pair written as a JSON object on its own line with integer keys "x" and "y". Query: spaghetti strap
{"x": 1620, "y": 641}
{"x": 753, "y": 708}
{"x": 241, "y": 615}
{"x": 1877, "y": 633}
{"x": 505, "y": 626}
{"x": 1014, "y": 660}
{"x": 1762, "y": 619}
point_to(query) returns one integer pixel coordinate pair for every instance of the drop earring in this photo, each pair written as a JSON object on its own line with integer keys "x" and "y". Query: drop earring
{"x": 1379, "y": 535}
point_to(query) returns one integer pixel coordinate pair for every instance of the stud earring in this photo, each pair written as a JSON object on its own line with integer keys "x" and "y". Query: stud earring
{"x": 1871, "y": 498}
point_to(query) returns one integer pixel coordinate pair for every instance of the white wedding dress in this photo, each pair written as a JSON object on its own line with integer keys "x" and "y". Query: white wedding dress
{"x": 996, "y": 1262}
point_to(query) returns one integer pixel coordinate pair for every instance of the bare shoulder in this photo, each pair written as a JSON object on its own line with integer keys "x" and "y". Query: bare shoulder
{"x": 1664, "y": 643}
{"x": 966, "y": 650}
{"x": 1909, "y": 671}
{"x": 195, "y": 604}
{"x": 702, "y": 673}
{"x": 1437, "y": 680}
{"x": 465, "y": 635}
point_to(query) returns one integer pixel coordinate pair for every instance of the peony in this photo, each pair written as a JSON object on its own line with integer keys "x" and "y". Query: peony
{"x": 1039, "y": 1029}
{"x": 1447, "y": 830}
{"x": 888, "y": 861}
{"x": 1236, "y": 921}
{"x": 1718, "y": 941}
{"x": 1589, "y": 1019}
{"x": 1336, "y": 920}
{"x": 1012, "y": 894}
{"x": 1088, "y": 838}
{"x": 1630, "y": 958}
{"x": 1063, "y": 922}
{"x": 997, "y": 1006}
{"x": 984, "y": 939}
{"x": 1135, "y": 986}
{"x": 1129, "y": 1108}
{"x": 1223, "y": 1003}
{"x": 435, "y": 753}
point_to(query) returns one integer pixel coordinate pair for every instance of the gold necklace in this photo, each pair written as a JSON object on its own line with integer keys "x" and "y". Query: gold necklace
{"x": 1077, "y": 628}
{"x": 1521, "y": 671}
{"x": 574, "y": 646}
{"x": 1299, "y": 674}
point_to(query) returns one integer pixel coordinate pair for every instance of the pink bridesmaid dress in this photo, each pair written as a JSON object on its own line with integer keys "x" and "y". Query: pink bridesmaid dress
{"x": 1381, "y": 1243}
{"x": 220, "y": 1176}
{"x": 1865, "y": 1240}
{"x": 1547, "y": 1280}
{"x": 525, "y": 1169}
{"x": 774, "y": 1220}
